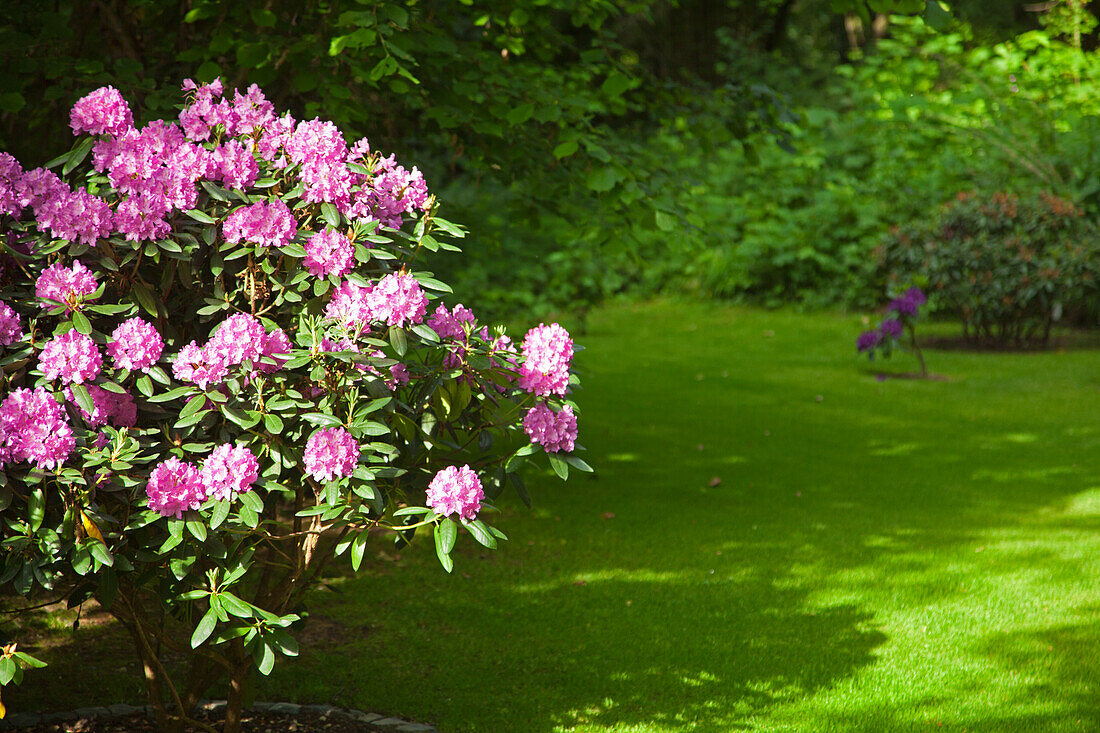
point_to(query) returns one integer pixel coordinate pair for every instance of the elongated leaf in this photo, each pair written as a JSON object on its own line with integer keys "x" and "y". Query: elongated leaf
{"x": 204, "y": 628}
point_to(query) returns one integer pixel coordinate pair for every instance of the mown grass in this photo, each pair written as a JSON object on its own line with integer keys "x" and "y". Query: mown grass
{"x": 874, "y": 555}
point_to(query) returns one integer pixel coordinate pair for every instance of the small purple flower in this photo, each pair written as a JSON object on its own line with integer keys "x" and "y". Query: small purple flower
{"x": 868, "y": 340}
{"x": 892, "y": 328}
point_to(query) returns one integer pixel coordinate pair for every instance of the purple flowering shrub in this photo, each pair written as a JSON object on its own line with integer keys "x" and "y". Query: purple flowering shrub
{"x": 223, "y": 364}
{"x": 902, "y": 314}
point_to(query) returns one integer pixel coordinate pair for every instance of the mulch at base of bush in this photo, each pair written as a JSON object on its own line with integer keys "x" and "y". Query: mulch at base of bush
{"x": 253, "y": 721}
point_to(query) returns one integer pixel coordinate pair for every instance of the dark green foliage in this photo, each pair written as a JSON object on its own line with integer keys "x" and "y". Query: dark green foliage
{"x": 1007, "y": 266}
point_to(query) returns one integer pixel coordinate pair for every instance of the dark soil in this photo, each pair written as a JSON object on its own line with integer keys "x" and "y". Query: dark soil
{"x": 253, "y": 722}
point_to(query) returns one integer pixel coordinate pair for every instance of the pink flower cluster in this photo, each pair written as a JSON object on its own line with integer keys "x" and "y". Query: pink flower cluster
{"x": 452, "y": 325}
{"x": 349, "y": 306}
{"x": 11, "y": 327}
{"x": 449, "y": 324}
{"x": 330, "y": 452}
{"x": 117, "y": 408}
{"x": 547, "y": 351}
{"x": 388, "y": 193}
{"x": 104, "y": 111}
{"x": 320, "y": 150}
{"x": 66, "y": 214}
{"x": 137, "y": 345}
{"x": 175, "y": 486}
{"x": 239, "y": 338}
{"x": 59, "y": 285}
{"x": 397, "y": 300}
{"x": 266, "y": 224}
{"x": 556, "y": 432}
{"x": 33, "y": 428}
{"x": 329, "y": 253}
{"x": 274, "y": 351}
{"x": 156, "y": 170}
{"x": 456, "y": 490}
{"x": 71, "y": 356}
{"x": 229, "y": 470}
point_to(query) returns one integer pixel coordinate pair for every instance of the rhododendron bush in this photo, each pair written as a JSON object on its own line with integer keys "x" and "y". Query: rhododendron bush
{"x": 224, "y": 365}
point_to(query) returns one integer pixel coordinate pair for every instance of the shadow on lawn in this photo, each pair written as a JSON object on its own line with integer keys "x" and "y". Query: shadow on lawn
{"x": 701, "y": 654}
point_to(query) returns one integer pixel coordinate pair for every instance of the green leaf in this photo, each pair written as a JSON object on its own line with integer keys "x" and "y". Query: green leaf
{"x": 480, "y": 533}
{"x": 444, "y": 542}
{"x": 432, "y": 284}
{"x": 12, "y": 102}
{"x": 201, "y": 216}
{"x": 219, "y": 514}
{"x": 263, "y": 18}
{"x": 358, "y": 548}
{"x": 520, "y": 114}
{"x": 36, "y": 508}
{"x": 398, "y": 340}
{"x": 265, "y": 661}
{"x": 80, "y": 392}
{"x": 603, "y": 179}
{"x": 145, "y": 299}
{"x": 100, "y": 552}
{"x": 204, "y": 628}
{"x": 273, "y": 423}
{"x": 665, "y": 221}
{"x": 173, "y": 394}
{"x": 78, "y": 154}
{"x": 565, "y": 149}
{"x": 322, "y": 420}
{"x": 560, "y": 467}
{"x": 447, "y": 533}
{"x": 197, "y": 528}
{"x": 252, "y": 500}
{"x": 330, "y": 214}
{"x": 82, "y": 324}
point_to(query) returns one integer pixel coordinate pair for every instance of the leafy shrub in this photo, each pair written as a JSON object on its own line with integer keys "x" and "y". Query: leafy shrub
{"x": 1006, "y": 265}
{"x": 222, "y": 368}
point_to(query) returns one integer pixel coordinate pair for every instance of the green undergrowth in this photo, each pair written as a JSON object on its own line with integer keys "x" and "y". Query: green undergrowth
{"x": 775, "y": 539}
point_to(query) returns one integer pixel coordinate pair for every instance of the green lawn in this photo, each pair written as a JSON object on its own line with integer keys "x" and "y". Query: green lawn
{"x": 888, "y": 555}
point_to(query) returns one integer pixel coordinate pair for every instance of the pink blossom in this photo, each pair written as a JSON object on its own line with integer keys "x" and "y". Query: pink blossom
{"x": 329, "y": 253}
{"x": 71, "y": 356}
{"x": 456, "y": 490}
{"x": 449, "y": 324}
{"x": 229, "y": 470}
{"x": 330, "y": 452}
{"x": 399, "y": 374}
{"x": 11, "y": 172}
{"x": 553, "y": 431}
{"x": 39, "y": 189}
{"x": 268, "y": 225}
{"x": 397, "y": 299}
{"x": 118, "y": 409}
{"x": 239, "y": 338}
{"x": 104, "y": 111}
{"x": 547, "y": 351}
{"x": 349, "y": 305}
{"x": 274, "y": 351}
{"x": 33, "y": 428}
{"x": 174, "y": 487}
{"x": 236, "y": 165}
{"x": 320, "y": 150}
{"x": 77, "y": 216}
{"x": 59, "y": 285}
{"x": 137, "y": 345}
{"x": 198, "y": 366}
{"x": 11, "y": 328}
